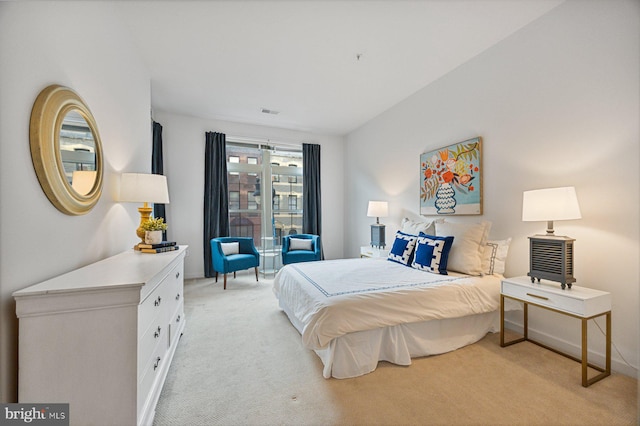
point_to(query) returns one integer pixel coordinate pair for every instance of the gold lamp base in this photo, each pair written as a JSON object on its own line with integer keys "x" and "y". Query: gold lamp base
{"x": 145, "y": 213}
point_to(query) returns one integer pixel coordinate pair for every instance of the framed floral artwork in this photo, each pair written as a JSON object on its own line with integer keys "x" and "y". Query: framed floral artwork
{"x": 451, "y": 179}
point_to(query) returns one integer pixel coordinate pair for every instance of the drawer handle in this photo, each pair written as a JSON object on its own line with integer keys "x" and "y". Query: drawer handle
{"x": 539, "y": 297}
{"x": 177, "y": 275}
{"x": 157, "y": 302}
{"x": 178, "y": 296}
{"x": 156, "y": 364}
{"x": 157, "y": 333}
{"x": 178, "y": 319}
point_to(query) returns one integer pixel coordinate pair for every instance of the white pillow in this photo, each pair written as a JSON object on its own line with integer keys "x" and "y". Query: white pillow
{"x": 300, "y": 244}
{"x": 469, "y": 241}
{"x": 230, "y": 248}
{"x": 413, "y": 227}
{"x": 495, "y": 256}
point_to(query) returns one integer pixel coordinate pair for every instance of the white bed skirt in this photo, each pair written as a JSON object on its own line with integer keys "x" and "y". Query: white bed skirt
{"x": 358, "y": 353}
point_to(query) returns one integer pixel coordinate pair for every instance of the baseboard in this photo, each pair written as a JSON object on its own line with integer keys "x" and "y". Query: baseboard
{"x": 595, "y": 355}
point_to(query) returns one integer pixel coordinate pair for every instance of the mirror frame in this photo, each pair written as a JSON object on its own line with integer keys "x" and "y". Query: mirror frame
{"x": 49, "y": 110}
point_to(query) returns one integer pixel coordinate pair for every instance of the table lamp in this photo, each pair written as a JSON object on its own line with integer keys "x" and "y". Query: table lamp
{"x": 551, "y": 256}
{"x": 143, "y": 188}
{"x": 378, "y": 209}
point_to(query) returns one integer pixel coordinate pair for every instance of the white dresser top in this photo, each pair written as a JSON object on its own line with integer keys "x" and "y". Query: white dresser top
{"x": 124, "y": 279}
{"x": 129, "y": 268}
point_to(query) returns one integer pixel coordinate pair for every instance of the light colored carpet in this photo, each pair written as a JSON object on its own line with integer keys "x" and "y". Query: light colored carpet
{"x": 240, "y": 362}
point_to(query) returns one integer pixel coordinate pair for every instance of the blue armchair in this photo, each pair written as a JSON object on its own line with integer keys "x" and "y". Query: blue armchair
{"x": 245, "y": 257}
{"x": 291, "y": 253}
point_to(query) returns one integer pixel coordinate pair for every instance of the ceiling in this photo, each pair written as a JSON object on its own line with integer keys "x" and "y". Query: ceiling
{"x": 326, "y": 66}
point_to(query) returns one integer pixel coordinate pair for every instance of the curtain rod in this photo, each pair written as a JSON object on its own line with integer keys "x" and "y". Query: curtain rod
{"x": 264, "y": 141}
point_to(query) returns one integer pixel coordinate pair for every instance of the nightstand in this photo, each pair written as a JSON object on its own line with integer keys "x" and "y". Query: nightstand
{"x": 368, "y": 251}
{"x": 578, "y": 302}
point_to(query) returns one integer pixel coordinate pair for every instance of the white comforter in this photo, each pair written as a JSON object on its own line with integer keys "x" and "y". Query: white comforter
{"x": 331, "y": 298}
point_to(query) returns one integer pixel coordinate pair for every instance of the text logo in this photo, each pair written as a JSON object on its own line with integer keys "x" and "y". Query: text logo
{"x": 34, "y": 414}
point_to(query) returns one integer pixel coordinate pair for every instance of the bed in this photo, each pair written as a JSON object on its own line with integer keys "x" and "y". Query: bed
{"x": 356, "y": 312}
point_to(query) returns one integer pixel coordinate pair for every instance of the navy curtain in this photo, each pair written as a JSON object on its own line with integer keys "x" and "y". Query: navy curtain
{"x": 157, "y": 168}
{"x": 216, "y": 196}
{"x": 311, "y": 193}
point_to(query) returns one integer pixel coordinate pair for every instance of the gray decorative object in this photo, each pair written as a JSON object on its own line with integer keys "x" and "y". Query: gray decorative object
{"x": 377, "y": 235}
{"x": 551, "y": 258}
{"x": 378, "y": 209}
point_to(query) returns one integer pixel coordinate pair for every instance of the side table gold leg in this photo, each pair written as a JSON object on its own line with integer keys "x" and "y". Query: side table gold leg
{"x": 501, "y": 320}
{"x": 526, "y": 321}
{"x": 608, "y": 360}
{"x": 502, "y": 328}
{"x": 585, "y": 380}
{"x": 604, "y": 372}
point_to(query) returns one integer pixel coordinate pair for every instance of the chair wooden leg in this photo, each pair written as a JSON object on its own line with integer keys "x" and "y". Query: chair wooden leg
{"x": 225, "y": 281}
{"x": 234, "y": 274}
{"x": 256, "y": 268}
{"x": 216, "y": 276}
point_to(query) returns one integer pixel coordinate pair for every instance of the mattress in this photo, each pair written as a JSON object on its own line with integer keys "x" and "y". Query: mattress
{"x": 356, "y": 312}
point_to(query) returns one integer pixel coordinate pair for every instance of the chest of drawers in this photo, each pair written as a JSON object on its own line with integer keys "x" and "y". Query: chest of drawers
{"x": 102, "y": 337}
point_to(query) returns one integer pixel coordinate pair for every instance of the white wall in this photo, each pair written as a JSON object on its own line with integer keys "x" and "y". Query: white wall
{"x": 557, "y": 105}
{"x": 82, "y": 46}
{"x": 184, "y": 142}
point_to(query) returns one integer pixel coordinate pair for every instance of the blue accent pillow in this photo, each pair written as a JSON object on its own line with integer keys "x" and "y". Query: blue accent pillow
{"x": 432, "y": 253}
{"x": 402, "y": 250}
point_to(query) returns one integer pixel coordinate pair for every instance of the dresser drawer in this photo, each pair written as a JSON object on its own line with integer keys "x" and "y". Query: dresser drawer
{"x": 175, "y": 289}
{"x": 151, "y": 308}
{"x": 151, "y": 373}
{"x": 176, "y": 324}
{"x": 543, "y": 298}
{"x": 157, "y": 334}
{"x": 161, "y": 299}
{"x": 580, "y": 301}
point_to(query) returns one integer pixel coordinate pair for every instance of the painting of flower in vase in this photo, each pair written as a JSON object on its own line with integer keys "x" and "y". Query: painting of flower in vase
{"x": 451, "y": 179}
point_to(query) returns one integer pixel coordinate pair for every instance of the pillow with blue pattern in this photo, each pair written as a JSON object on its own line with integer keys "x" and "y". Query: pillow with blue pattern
{"x": 402, "y": 250}
{"x": 432, "y": 253}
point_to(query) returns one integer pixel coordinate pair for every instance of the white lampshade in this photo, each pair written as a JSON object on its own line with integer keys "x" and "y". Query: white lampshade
{"x": 549, "y": 205}
{"x": 82, "y": 181}
{"x": 144, "y": 188}
{"x": 378, "y": 209}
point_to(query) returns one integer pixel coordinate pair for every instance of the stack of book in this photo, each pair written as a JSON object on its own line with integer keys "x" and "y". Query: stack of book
{"x": 157, "y": 248}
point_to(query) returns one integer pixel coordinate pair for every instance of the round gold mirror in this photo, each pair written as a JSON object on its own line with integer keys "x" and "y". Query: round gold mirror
{"x": 66, "y": 150}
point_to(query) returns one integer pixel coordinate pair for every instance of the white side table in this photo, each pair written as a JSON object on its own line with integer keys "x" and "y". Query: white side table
{"x": 269, "y": 262}
{"x": 578, "y": 302}
{"x": 270, "y": 254}
{"x": 368, "y": 251}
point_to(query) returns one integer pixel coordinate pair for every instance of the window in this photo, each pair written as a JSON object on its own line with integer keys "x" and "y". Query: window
{"x": 242, "y": 226}
{"x": 293, "y": 202}
{"x": 258, "y": 188}
{"x": 234, "y": 200}
{"x": 252, "y": 203}
{"x": 236, "y": 160}
{"x": 252, "y": 160}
